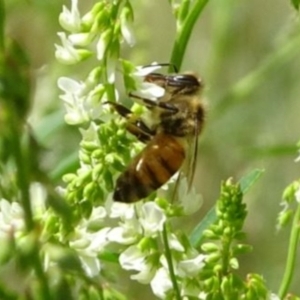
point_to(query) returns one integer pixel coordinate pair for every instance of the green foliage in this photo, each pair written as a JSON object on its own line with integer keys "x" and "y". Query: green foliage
{"x": 67, "y": 240}
{"x": 296, "y": 4}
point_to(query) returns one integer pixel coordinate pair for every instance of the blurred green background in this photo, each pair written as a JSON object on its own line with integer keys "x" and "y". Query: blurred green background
{"x": 247, "y": 53}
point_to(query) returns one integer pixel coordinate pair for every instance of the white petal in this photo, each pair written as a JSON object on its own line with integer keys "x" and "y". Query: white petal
{"x": 81, "y": 39}
{"x": 149, "y": 91}
{"x": 91, "y": 265}
{"x": 66, "y": 53}
{"x": 69, "y": 85}
{"x": 161, "y": 283}
{"x": 103, "y": 43}
{"x": 174, "y": 243}
{"x": 122, "y": 210}
{"x": 127, "y": 32}
{"x": 152, "y": 218}
{"x": 122, "y": 236}
{"x": 98, "y": 214}
{"x": 132, "y": 259}
{"x": 142, "y": 71}
{"x": 145, "y": 275}
{"x": 191, "y": 267}
{"x": 70, "y": 20}
{"x": 190, "y": 200}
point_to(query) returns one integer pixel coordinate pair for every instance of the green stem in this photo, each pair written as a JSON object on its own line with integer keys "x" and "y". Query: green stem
{"x": 22, "y": 173}
{"x": 2, "y": 22}
{"x": 184, "y": 33}
{"x": 40, "y": 274}
{"x": 22, "y": 159}
{"x": 225, "y": 255}
{"x": 291, "y": 258}
{"x": 170, "y": 263}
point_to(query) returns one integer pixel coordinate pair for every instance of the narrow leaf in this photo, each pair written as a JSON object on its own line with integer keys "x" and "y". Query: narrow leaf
{"x": 296, "y": 4}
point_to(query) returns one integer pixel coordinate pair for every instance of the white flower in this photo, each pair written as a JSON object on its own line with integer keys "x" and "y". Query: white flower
{"x": 70, "y": 20}
{"x": 137, "y": 221}
{"x": 103, "y": 42}
{"x": 128, "y": 233}
{"x": 190, "y": 200}
{"x": 130, "y": 228}
{"x": 145, "y": 89}
{"x": 74, "y": 102}
{"x": 191, "y": 267}
{"x": 88, "y": 245}
{"x": 161, "y": 283}
{"x": 82, "y": 104}
{"x": 122, "y": 210}
{"x": 96, "y": 218}
{"x": 66, "y": 53}
{"x": 123, "y": 235}
{"x": 146, "y": 273}
{"x": 11, "y": 218}
{"x": 135, "y": 259}
{"x": 132, "y": 258}
{"x": 174, "y": 243}
{"x": 152, "y": 218}
{"x": 142, "y": 71}
{"x": 126, "y": 26}
{"x": 81, "y": 39}
{"x": 171, "y": 181}
{"x": 91, "y": 265}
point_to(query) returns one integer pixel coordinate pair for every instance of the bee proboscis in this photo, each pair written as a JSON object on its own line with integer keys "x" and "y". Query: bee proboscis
{"x": 179, "y": 119}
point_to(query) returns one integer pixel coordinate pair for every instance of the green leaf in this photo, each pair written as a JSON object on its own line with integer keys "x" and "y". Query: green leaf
{"x": 246, "y": 183}
{"x": 296, "y": 4}
{"x": 197, "y": 234}
{"x": 248, "y": 180}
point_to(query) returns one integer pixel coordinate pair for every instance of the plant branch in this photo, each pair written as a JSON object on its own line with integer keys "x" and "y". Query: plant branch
{"x": 170, "y": 263}
{"x": 184, "y": 33}
{"x": 292, "y": 253}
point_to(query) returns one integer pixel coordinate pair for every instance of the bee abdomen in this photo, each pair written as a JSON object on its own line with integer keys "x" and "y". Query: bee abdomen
{"x": 152, "y": 168}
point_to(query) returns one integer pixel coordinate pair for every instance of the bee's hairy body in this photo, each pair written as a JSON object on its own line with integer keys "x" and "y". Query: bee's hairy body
{"x": 149, "y": 170}
{"x": 166, "y": 150}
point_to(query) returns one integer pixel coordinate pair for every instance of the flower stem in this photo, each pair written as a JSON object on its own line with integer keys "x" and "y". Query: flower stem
{"x": 22, "y": 159}
{"x": 170, "y": 263}
{"x": 2, "y": 21}
{"x": 184, "y": 33}
{"x": 291, "y": 258}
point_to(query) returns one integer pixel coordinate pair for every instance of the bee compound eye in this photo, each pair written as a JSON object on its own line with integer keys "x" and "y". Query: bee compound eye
{"x": 183, "y": 80}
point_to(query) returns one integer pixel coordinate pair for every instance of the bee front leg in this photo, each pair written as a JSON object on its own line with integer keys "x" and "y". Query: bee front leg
{"x": 151, "y": 103}
{"x": 135, "y": 125}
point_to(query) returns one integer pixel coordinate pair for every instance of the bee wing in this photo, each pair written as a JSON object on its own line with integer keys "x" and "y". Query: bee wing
{"x": 189, "y": 167}
{"x": 193, "y": 157}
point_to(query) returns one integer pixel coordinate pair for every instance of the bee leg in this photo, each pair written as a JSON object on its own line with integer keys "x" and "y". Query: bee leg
{"x": 135, "y": 125}
{"x": 164, "y": 105}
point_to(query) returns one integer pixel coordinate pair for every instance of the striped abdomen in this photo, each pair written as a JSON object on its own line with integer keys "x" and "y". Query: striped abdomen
{"x": 154, "y": 166}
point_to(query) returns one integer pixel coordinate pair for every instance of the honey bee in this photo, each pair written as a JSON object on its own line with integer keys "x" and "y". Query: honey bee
{"x": 171, "y": 141}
